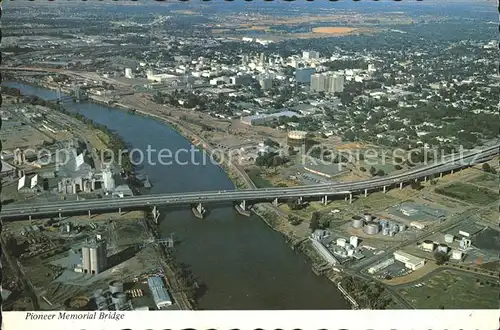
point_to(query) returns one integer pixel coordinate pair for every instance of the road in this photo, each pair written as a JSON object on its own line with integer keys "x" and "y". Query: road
{"x": 13, "y": 211}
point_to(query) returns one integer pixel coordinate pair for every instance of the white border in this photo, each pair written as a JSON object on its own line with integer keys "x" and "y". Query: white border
{"x": 339, "y": 319}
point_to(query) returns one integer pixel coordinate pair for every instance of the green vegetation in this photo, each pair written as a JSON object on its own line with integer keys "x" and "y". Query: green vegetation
{"x": 256, "y": 176}
{"x": 452, "y": 290}
{"x": 468, "y": 193}
{"x": 487, "y": 180}
{"x": 371, "y": 295}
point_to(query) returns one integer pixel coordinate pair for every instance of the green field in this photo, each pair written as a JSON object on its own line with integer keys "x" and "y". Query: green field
{"x": 258, "y": 180}
{"x": 487, "y": 180}
{"x": 469, "y": 193}
{"x": 453, "y": 290}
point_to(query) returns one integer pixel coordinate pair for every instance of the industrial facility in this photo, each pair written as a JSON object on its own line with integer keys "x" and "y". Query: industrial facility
{"x": 94, "y": 256}
{"x": 372, "y": 227}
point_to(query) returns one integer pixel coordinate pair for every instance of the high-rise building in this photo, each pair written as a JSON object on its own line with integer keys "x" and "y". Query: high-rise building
{"x": 318, "y": 82}
{"x": 303, "y": 75}
{"x": 327, "y": 82}
{"x": 262, "y": 58}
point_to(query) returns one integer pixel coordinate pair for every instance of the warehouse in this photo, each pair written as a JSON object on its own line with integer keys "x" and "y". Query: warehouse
{"x": 410, "y": 261}
{"x": 159, "y": 292}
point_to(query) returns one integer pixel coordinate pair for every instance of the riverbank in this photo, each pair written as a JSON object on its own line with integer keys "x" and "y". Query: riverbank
{"x": 227, "y": 233}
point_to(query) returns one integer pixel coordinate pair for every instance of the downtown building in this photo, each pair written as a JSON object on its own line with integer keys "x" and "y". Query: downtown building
{"x": 327, "y": 82}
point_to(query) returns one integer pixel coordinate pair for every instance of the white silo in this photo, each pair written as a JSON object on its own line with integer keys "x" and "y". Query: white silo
{"x": 456, "y": 255}
{"x": 354, "y": 241}
{"x": 448, "y": 238}
{"x": 108, "y": 183}
{"x": 341, "y": 242}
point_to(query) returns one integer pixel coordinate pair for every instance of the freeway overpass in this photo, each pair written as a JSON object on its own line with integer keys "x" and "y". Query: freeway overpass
{"x": 243, "y": 197}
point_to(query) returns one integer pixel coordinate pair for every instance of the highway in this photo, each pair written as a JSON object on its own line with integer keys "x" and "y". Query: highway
{"x": 14, "y": 211}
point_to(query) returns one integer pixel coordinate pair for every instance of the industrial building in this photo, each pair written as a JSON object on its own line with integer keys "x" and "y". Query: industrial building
{"x": 94, "y": 256}
{"x": 411, "y": 262}
{"x": 160, "y": 78}
{"x": 324, "y": 252}
{"x": 160, "y": 294}
{"x": 382, "y": 265}
{"x": 128, "y": 73}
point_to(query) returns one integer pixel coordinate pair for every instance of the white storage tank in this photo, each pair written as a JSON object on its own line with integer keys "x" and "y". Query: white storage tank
{"x": 357, "y": 222}
{"x": 115, "y": 286}
{"x": 354, "y": 241}
{"x": 367, "y": 216}
{"x": 341, "y": 242}
{"x": 371, "y": 229}
{"x": 442, "y": 248}
{"x": 448, "y": 238}
{"x": 457, "y": 255}
{"x": 119, "y": 299}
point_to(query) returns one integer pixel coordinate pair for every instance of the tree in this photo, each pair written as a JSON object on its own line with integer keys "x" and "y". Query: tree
{"x": 486, "y": 167}
{"x": 373, "y": 171}
{"x": 380, "y": 172}
{"x": 397, "y": 167}
{"x": 416, "y": 185}
{"x": 441, "y": 257}
{"x": 314, "y": 224}
{"x": 362, "y": 169}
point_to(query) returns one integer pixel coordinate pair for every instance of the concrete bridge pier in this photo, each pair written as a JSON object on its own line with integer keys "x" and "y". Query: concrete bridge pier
{"x": 275, "y": 202}
{"x": 156, "y": 214}
{"x": 440, "y": 175}
{"x": 324, "y": 200}
{"x": 401, "y": 186}
{"x": 90, "y": 215}
{"x": 29, "y": 217}
{"x": 350, "y": 198}
{"x": 385, "y": 189}
{"x": 198, "y": 211}
{"x": 242, "y": 208}
{"x": 366, "y": 192}
{"x": 425, "y": 179}
{"x": 119, "y": 211}
{"x": 452, "y": 171}
{"x": 299, "y": 200}
{"x": 60, "y": 216}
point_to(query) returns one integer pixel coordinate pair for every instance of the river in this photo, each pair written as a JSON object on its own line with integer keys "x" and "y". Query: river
{"x": 243, "y": 263}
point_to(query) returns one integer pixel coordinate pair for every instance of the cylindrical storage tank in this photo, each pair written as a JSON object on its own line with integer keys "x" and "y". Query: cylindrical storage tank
{"x": 341, "y": 242}
{"x": 442, "y": 248}
{"x": 115, "y": 286}
{"x": 357, "y": 222}
{"x": 392, "y": 233}
{"x": 371, "y": 229}
{"x": 456, "y": 255}
{"x": 448, "y": 238}
{"x": 428, "y": 245}
{"x": 385, "y": 231}
{"x": 119, "y": 299}
{"x": 367, "y": 216}
{"x": 296, "y": 138}
{"x": 94, "y": 261}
